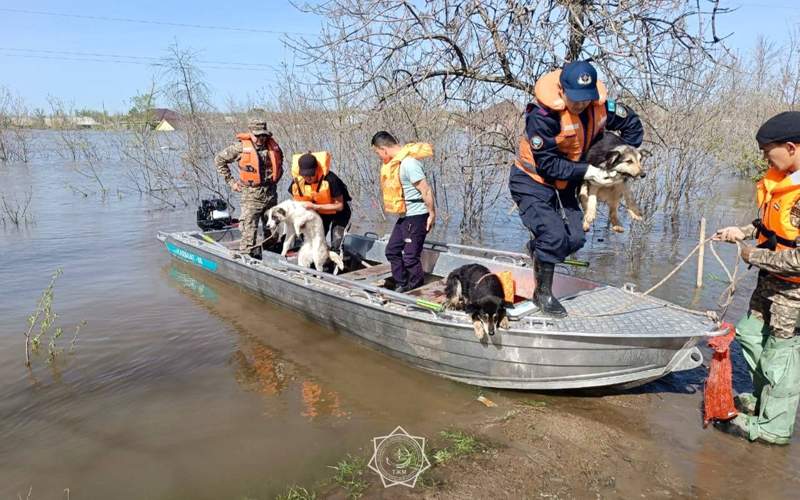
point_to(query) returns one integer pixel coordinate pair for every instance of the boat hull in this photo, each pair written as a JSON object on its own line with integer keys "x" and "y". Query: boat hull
{"x": 518, "y": 358}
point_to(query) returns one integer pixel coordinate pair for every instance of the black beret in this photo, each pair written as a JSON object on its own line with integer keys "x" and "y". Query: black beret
{"x": 783, "y": 127}
{"x": 308, "y": 165}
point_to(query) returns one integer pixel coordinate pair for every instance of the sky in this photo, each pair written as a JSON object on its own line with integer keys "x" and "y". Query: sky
{"x": 93, "y": 54}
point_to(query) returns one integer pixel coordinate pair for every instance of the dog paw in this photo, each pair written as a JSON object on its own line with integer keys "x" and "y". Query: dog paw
{"x": 478, "y": 327}
{"x": 618, "y": 229}
{"x": 634, "y": 215}
{"x": 504, "y": 323}
{"x": 586, "y": 227}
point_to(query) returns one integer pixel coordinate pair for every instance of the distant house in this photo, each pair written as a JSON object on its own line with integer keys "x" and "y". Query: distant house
{"x": 165, "y": 120}
{"x": 84, "y": 122}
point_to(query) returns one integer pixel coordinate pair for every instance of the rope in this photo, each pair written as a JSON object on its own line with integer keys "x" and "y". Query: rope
{"x": 723, "y": 304}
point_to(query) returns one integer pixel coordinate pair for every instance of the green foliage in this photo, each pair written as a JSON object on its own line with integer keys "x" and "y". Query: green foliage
{"x": 41, "y": 325}
{"x": 750, "y": 164}
{"x": 141, "y": 112}
{"x": 297, "y": 493}
{"x": 461, "y": 445}
{"x": 350, "y": 476}
{"x": 99, "y": 116}
{"x": 442, "y": 456}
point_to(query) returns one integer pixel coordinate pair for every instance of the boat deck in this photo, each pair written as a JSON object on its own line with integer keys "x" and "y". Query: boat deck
{"x": 591, "y": 310}
{"x": 609, "y": 309}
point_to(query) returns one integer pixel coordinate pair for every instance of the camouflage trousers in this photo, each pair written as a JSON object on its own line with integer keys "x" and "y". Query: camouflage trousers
{"x": 776, "y": 302}
{"x": 255, "y": 201}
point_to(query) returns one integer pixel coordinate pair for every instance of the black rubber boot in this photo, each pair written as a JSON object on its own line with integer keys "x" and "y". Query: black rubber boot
{"x": 543, "y": 294}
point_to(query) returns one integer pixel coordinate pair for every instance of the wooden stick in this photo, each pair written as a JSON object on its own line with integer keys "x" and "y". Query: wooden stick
{"x": 701, "y": 253}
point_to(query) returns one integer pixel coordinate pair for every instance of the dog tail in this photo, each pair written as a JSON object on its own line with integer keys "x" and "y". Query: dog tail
{"x": 337, "y": 259}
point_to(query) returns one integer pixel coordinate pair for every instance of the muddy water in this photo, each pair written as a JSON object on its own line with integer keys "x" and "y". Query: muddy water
{"x": 182, "y": 386}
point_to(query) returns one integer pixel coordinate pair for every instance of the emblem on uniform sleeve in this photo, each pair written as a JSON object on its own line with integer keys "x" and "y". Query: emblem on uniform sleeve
{"x": 621, "y": 111}
{"x": 537, "y": 142}
{"x": 585, "y": 79}
{"x": 794, "y": 213}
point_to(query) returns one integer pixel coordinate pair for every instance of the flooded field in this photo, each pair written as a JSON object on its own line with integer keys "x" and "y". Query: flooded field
{"x": 183, "y": 386}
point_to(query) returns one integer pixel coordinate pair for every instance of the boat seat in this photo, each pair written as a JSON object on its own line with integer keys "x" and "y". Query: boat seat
{"x": 433, "y": 291}
{"x": 373, "y": 273}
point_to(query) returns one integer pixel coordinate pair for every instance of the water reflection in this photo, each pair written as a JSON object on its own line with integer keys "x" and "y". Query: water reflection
{"x": 259, "y": 367}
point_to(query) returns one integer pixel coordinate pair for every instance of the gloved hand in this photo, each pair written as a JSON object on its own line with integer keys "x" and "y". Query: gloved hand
{"x": 599, "y": 176}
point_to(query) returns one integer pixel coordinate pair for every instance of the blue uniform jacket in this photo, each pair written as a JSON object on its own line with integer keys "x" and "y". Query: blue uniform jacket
{"x": 551, "y": 163}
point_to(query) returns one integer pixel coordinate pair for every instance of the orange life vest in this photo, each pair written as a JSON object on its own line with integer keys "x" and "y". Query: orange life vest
{"x": 509, "y": 287}
{"x": 317, "y": 192}
{"x": 394, "y": 201}
{"x": 777, "y": 193}
{"x": 574, "y": 139}
{"x": 506, "y": 279}
{"x": 250, "y": 168}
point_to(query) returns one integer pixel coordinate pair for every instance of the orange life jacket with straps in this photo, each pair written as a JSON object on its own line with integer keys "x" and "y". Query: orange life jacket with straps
{"x": 251, "y": 170}
{"x": 777, "y": 193}
{"x": 394, "y": 201}
{"x": 574, "y": 139}
{"x": 317, "y": 192}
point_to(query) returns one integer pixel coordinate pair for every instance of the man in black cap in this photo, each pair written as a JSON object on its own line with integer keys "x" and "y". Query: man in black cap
{"x": 768, "y": 333}
{"x": 570, "y": 112}
{"x": 260, "y": 161}
{"x": 321, "y": 190}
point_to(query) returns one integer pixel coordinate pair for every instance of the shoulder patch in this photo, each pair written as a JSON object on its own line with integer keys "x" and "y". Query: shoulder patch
{"x": 537, "y": 142}
{"x": 621, "y": 111}
{"x": 794, "y": 213}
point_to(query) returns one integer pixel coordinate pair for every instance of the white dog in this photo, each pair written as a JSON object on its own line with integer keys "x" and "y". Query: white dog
{"x": 291, "y": 218}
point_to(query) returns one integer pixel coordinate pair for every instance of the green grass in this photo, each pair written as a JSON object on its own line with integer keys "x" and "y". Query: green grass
{"x": 297, "y": 493}
{"x": 533, "y": 403}
{"x": 350, "y": 475}
{"x": 460, "y": 444}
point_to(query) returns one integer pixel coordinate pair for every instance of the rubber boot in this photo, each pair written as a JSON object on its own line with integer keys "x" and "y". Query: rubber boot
{"x": 543, "y": 294}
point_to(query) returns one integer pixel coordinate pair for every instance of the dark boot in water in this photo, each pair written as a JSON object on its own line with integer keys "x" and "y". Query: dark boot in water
{"x": 543, "y": 294}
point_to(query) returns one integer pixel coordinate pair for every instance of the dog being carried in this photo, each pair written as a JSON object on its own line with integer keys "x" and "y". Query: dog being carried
{"x": 475, "y": 290}
{"x": 612, "y": 154}
{"x": 290, "y": 219}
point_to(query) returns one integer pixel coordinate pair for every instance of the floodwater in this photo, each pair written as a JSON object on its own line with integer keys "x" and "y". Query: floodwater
{"x": 184, "y": 386}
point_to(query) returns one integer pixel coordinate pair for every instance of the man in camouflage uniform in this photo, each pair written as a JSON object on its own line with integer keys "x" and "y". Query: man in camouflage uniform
{"x": 768, "y": 333}
{"x": 259, "y": 197}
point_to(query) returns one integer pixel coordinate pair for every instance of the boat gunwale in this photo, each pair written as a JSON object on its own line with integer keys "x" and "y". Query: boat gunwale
{"x": 279, "y": 270}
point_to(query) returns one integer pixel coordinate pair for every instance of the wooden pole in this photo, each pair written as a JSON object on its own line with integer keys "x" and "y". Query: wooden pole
{"x": 701, "y": 252}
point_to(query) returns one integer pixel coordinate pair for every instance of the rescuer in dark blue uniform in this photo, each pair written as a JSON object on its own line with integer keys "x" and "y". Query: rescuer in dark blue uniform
{"x": 570, "y": 111}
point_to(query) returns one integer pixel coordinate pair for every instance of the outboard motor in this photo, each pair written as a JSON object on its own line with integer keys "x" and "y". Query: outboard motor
{"x": 213, "y": 214}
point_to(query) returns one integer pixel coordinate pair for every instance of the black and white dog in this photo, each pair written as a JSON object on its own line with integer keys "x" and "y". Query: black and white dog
{"x": 474, "y": 289}
{"x": 290, "y": 218}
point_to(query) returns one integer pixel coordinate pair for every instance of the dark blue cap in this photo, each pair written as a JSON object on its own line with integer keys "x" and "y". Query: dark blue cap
{"x": 579, "y": 81}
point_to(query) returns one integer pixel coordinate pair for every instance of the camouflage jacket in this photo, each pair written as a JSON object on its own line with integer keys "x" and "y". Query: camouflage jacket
{"x": 785, "y": 262}
{"x": 232, "y": 153}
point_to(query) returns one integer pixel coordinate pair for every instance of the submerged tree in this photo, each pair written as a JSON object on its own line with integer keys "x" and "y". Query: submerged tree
{"x": 479, "y": 58}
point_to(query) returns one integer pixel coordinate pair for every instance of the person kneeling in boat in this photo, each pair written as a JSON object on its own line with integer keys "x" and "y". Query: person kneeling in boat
{"x": 321, "y": 190}
{"x": 768, "y": 333}
{"x": 407, "y": 194}
{"x": 570, "y": 112}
